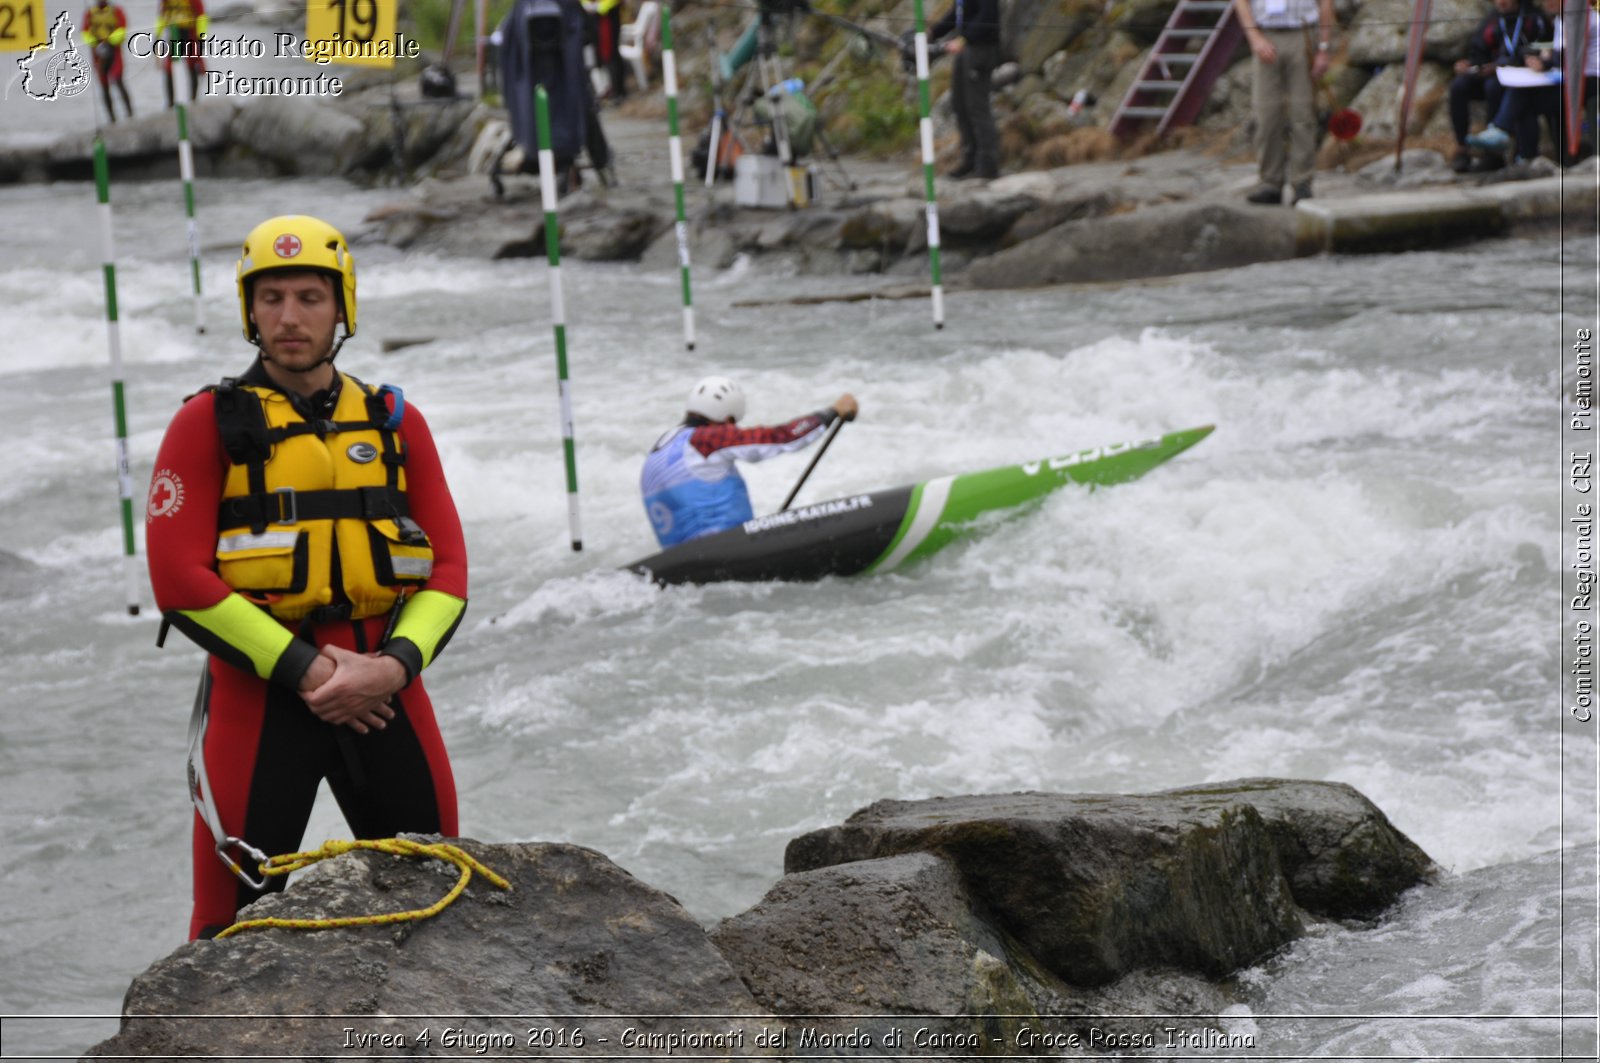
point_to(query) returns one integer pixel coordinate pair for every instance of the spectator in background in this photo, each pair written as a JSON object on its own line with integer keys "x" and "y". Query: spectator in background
{"x": 973, "y": 27}
{"x": 609, "y": 48}
{"x": 1521, "y": 107}
{"x": 1503, "y": 37}
{"x": 105, "y": 27}
{"x": 183, "y": 24}
{"x": 1286, "y": 65}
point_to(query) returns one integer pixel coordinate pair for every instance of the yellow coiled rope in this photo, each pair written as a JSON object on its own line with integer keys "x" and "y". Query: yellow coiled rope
{"x": 283, "y": 865}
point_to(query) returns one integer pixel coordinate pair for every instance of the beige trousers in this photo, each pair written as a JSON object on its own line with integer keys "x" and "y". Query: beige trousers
{"x": 1286, "y": 120}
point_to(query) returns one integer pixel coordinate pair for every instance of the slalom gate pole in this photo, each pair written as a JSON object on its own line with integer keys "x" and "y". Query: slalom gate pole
{"x": 102, "y": 188}
{"x": 716, "y": 140}
{"x": 478, "y": 19}
{"x": 558, "y": 308}
{"x": 669, "y": 77}
{"x": 714, "y": 158}
{"x": 1416, "y": 40}
{"x": 180, "y": 98}
{"x": 926, "y": 127}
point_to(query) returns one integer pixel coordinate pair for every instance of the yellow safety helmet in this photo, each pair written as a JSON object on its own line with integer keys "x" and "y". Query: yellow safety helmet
{"x": 297, "y": 241}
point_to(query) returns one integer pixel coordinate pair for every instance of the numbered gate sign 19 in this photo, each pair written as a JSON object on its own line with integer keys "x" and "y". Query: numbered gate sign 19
{"x": 349, "y": 32}
{"x": 23, "y": 25}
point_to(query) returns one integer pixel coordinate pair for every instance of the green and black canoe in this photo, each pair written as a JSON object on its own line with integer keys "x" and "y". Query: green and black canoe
{"x": 881, "y": 531}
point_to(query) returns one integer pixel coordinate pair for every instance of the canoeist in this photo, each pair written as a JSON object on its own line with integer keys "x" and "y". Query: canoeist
{"x": 690, "y": 483}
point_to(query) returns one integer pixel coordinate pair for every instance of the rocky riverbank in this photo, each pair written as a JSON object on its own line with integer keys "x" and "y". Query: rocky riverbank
{"x": 1008, "y": 925}
{"x": 1119, "y": 212}
{"x": 1173, "y": 212}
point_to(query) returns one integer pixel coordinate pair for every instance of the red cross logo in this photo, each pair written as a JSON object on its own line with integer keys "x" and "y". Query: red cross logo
{"x": 287, "y": 245}
{"x": 166, "y": 494}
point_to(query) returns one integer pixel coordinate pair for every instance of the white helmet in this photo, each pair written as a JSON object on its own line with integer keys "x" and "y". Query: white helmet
{"x": 716, "y": 398}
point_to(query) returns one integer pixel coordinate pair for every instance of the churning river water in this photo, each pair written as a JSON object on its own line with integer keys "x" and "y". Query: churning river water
{"x": 1355, "y": 578}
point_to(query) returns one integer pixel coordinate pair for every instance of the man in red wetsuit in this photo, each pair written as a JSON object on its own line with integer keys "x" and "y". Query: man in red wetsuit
{"x": 301, "y": 531}
{"x": 105, "y": 27}
{"x": 183, "y": 24}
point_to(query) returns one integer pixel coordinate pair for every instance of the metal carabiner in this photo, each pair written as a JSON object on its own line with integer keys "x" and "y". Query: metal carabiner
{"x": 260, "y": 858}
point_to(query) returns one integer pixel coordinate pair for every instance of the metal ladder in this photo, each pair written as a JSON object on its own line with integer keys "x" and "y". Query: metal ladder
{"x": 1192, "y": 52}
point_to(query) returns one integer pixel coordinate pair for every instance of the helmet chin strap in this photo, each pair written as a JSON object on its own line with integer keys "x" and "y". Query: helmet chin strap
{"x": 333, "y": 350}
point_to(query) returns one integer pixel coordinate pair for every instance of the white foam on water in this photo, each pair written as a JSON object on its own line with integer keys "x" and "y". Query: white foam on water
{"x": 1474, "y": 950}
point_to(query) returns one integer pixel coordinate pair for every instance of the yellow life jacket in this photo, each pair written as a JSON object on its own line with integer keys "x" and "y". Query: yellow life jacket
{"x": 314, "y": 520}
{"x": 179, "y": 13}
{"x": 103, "y": 25}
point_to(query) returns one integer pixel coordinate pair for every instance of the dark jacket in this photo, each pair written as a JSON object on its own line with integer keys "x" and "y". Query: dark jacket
{"x": 980, "y": 22}
{"x": 1491, "y": 41}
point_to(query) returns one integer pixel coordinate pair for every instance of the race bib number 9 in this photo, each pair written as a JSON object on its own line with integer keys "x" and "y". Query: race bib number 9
{"x": 349, "y": 32}
{"x": 22, "y": 25}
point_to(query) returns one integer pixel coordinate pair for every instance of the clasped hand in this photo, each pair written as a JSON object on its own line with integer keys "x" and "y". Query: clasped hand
{"x": 352, "y": 689}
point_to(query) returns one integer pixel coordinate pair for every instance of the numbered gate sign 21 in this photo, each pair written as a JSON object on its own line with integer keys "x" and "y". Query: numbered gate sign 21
{"x": 23, "y": 25}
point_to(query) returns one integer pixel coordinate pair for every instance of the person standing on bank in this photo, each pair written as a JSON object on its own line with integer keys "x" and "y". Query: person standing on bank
{"x": 975, "y": 26}
{"x": 300, "y": 530}
{"x": 184, "y": 24}
{"x": 105, "y": 27}
{"x": 1287, "y": 63}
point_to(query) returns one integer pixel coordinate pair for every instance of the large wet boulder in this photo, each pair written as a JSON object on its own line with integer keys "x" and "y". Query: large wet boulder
{"x": 1032, "y": 31}
{"x": 575, "y": 936}
{"x": 1341, "y": 855}
{"x": 1378, "y": 38}
{"x": 897, "y": 936}
{"x": 430, "y": 133}
{"x": 466, "y": 218}
{"x": 1378, "y": 103}
{"x": 301, "y": 137}
{"x": 1154, "y": 242}
{"x": 1098, "y": 886}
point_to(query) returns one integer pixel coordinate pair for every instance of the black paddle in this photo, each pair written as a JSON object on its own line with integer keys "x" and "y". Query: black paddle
{"x": 823, "y": 449}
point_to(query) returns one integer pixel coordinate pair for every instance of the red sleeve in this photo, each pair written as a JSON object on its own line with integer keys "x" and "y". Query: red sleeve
{"x": 708, "y": 439}
{"x": 432, "y": 507}
{"x": 181, "y": 510}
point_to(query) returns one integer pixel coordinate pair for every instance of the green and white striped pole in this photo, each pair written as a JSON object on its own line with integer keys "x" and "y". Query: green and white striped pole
{"x": 669, "y": 76}
{"x": 926, "y": 127}
{"x": 558, "y": 307}
{"x": 180, "y": 96}
{"x": 102, "y": 188}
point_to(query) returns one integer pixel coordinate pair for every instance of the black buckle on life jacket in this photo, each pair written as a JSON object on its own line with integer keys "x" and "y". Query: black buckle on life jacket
{"x": 411, "y": 532}
{"x": 327, "y": 614}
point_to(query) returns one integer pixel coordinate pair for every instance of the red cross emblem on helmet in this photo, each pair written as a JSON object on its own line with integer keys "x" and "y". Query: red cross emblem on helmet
{"x": 287, "y": 245}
